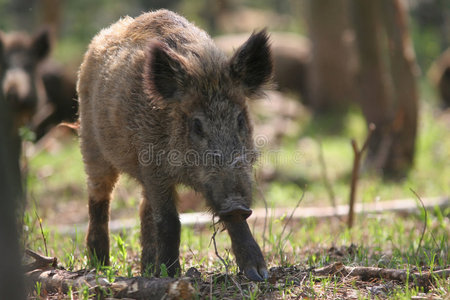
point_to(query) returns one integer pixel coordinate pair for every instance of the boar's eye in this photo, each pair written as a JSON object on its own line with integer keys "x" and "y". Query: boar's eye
{"x": 241, "y": 121}
{"x": 197, "y": 127}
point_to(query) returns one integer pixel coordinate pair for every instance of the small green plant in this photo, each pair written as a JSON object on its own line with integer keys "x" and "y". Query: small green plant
{"x": 70, "y": 293}
{"x": 38, "y": 286}
{"x": 129, "y": 271}
{"x": 26, "y": 134}
{"x": 163, "y": 272}
{"x": 122, "y": 251}
{"x": 84, "y": 293}
{"x": 70, "y": 260}
{"x": 109, "y": 273}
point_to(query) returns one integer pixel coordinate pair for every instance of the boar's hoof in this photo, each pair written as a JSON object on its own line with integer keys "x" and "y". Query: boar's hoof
{"x": 253, "y": 265}
{"x": 255, "y": 274}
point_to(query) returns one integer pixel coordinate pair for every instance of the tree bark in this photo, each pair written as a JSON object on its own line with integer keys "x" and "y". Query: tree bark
{"x": 332, "y": 69}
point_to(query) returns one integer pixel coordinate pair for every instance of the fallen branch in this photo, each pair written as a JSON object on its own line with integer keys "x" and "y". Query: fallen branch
{"x": 56, "y": 280}
{"x": 40, "y": 261}
{"x": 420, "y": 279}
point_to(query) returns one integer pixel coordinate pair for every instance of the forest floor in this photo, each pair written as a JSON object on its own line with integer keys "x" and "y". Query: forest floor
{"x": 313, "y": 259}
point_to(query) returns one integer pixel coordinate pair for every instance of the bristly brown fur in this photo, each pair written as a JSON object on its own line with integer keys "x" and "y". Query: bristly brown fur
{"x": 153, "y": 92}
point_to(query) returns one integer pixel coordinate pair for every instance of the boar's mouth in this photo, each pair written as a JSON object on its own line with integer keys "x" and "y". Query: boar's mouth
{"x": 234, "y": 211}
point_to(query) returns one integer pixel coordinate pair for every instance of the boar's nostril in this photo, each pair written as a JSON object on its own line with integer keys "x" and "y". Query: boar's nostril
{"x": 240, "y": 211}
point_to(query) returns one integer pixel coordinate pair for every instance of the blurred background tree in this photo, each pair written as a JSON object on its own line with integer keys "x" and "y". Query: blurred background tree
{"x": 388, "y": 84}
{"x": 333, "y": 55}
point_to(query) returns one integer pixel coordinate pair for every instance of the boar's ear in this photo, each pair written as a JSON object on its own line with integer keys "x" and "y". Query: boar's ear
{"x": 41, "y": 44}
{"x": 164, "y": 72}
{"x": 252, "y": 65}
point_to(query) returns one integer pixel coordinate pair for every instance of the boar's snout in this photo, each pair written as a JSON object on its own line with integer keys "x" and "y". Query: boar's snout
{"x": 18, "y": 90}
{"x": 234, "y": 209}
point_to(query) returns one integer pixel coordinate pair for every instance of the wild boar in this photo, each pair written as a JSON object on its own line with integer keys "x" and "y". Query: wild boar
{"x": 160, "y": 102}
{"x": 42, "y": 94}
{"x": 20, "y": 56}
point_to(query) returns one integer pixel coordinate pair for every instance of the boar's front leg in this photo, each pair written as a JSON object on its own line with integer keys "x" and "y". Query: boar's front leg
{"x": 160, "y": 230}
{"x": 247, "y": 252}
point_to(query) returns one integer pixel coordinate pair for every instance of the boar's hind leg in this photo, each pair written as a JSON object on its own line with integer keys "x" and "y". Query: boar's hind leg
{"x": 160, "y": 231}
{"x": 101, "y": 179}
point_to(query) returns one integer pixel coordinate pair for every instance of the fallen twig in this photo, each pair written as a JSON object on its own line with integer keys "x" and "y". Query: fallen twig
{"x": 213, "y": 239}
{"x": 355, "y": 173}
{"x": 57, "y": 280}
{"x": 420, "y": 279}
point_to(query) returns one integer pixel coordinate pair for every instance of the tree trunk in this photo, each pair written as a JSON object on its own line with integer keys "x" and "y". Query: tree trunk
{"x": 373, "y": 78}
{"x": 332, "y": 69}
{"x": 405, "y": 95}
{"x": 11, "y": 281}
{"x": 388, "y": 92}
